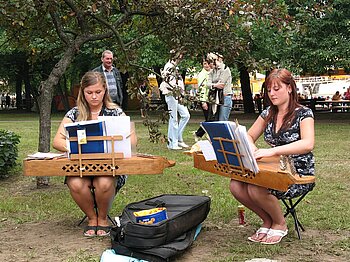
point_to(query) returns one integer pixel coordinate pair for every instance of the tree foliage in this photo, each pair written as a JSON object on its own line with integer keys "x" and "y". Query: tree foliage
{"x": 57, "y": 37}
{"x": 323, "y": 41}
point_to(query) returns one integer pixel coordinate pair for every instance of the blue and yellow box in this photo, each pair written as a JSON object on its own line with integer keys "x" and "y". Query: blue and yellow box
{"x": 151, "y": 216}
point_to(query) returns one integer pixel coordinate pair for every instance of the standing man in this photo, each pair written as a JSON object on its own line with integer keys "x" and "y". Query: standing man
{"x": 113, "y": 77}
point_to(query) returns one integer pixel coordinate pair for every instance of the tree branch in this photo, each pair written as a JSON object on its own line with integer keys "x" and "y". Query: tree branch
{"x": 119, "y": 39}
{"x": 59, "y": 28}
{"x": 149, "y": 14}
{"x": 80, "y": 18}
{"x": 142, "y": 36}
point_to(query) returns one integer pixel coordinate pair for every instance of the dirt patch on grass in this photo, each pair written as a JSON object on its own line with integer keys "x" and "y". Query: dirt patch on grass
{"x": 61, "y": 241}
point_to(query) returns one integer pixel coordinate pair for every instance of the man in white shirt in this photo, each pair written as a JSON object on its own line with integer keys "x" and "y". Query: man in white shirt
{"x": 173, "y": 88}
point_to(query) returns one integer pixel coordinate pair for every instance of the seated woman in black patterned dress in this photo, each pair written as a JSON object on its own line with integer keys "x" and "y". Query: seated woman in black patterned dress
{"x": 93, "y": 101}
{"x": 288, "y": 128}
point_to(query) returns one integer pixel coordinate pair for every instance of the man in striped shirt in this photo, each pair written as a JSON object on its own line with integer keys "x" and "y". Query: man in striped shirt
{"x": 113, "y": 77}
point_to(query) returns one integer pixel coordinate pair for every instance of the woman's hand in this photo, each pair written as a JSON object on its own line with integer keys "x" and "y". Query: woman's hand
{"x": 260, "y": 153}
{"x": 253, "y": 147}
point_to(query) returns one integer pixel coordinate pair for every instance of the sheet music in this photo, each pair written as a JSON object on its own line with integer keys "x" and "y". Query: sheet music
{"x": 248, "y": 159}
{"x": 40, "y": 155}
{"x": 232, "y": 131}
{"x": 92, "y": 128}
{"x": 118, "y": 125}
{"x": 207, "y": 150}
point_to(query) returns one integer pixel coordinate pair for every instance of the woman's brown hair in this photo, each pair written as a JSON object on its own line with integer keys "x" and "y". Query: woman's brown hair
{"x": 92, "y": 78}
{"x": 282, "y": 76}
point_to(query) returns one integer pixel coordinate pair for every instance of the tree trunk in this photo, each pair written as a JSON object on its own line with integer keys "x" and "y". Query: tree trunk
{"x": 125, "y": 77}
{"x": 27, "y": 86}
{"x": 45, "y": 101}
{"x": 246, "y": 90}
{"x": 18, "y": 91}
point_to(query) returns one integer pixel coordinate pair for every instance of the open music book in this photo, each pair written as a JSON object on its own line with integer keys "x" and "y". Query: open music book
{"x": 118, "y": 125}
{"x": 231, "y": 133}
{"x": 105, "y": 126}
{"x": 90, "y": 128}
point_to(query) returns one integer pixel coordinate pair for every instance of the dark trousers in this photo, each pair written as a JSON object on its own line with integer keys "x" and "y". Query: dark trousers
{"x": 209, "y": 117}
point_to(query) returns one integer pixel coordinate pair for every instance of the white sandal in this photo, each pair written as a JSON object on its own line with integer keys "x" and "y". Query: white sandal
{"x": 262, "y": 230}
{"x": 275, "y": 233}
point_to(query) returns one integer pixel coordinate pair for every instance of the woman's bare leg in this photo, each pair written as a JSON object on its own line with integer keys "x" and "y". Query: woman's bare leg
{"x": 104, "y": 194}
{"x": 270, "y": 204}
{"x": 80, "y": 190}
{"x": 240, "y": 191}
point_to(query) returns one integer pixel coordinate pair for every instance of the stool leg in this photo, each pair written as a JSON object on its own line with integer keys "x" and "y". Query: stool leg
{"x": 81, "y": 221}
{"x": 291, "y": 209}
{"x": 112, "y": 221}
{"x": 297, "y": 223}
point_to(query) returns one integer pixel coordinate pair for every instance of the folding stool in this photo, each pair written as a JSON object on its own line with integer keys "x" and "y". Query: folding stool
{"x": 291, "y": 209}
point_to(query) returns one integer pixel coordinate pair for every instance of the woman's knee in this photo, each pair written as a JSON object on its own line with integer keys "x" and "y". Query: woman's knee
{"x": 77, "y": 185}
{"x": 237, "y": 188}
{"x": 257, "y": 192}
{"x": 105, "y": 184}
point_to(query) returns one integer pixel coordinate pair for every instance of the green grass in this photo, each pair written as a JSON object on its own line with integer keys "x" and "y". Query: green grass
{"x": 326, "y": 209}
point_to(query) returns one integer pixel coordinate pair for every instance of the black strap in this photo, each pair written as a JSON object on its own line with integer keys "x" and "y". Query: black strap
{"x": 157, "y": 203}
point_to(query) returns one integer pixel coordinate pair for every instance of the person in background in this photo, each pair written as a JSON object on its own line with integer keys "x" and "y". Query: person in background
{"x": 336, "y": 97}
{"x": 93, "y": 101}
{"x": 225, "y": 110}
{"x": 258, "y": 102}
{"x": 347, "y": 94}
{"x": 8, "y": 101}
{"x": 347, "y": 97}
{"x": 172, "y": 88}
{"x": 3, "y": 101}
{"x": 143, "y": 98}
{"x": 220, "y": 83}
{"x": 203, "y": 96}
{"x": 288, "y": 128}
{"x": 113, "y": 77}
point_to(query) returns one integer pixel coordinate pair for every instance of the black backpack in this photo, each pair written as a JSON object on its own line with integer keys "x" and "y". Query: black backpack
{"x": 185, "y": 213}
{"x": 162, "y": 253}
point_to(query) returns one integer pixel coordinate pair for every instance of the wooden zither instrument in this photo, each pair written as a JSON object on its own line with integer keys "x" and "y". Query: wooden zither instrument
{"x": 97, "y": 164}
{"x": 274, "y": 172}
{"x": 136, "y": 165}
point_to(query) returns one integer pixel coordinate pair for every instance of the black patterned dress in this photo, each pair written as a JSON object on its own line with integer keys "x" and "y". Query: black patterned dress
{"x": 304, "y": 164}
{"x": 73, "y": 115}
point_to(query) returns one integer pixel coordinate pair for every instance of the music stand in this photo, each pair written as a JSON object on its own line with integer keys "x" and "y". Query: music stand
{"x": 234, "y": 169}
{"x": 113, "y": 155}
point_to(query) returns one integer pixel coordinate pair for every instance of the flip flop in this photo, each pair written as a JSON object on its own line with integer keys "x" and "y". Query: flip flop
{"x": 89, "y": 228}
{"x": 262, "y": 230}
{"x": 105, "y": 229}
{"x": 275, "y": 233}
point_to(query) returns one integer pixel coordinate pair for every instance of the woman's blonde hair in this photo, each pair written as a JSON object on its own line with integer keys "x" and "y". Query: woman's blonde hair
{"x": 92, "y": 78}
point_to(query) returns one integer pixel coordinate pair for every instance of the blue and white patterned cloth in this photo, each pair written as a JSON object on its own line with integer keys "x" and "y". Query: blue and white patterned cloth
{"x": 304, "y": 164}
